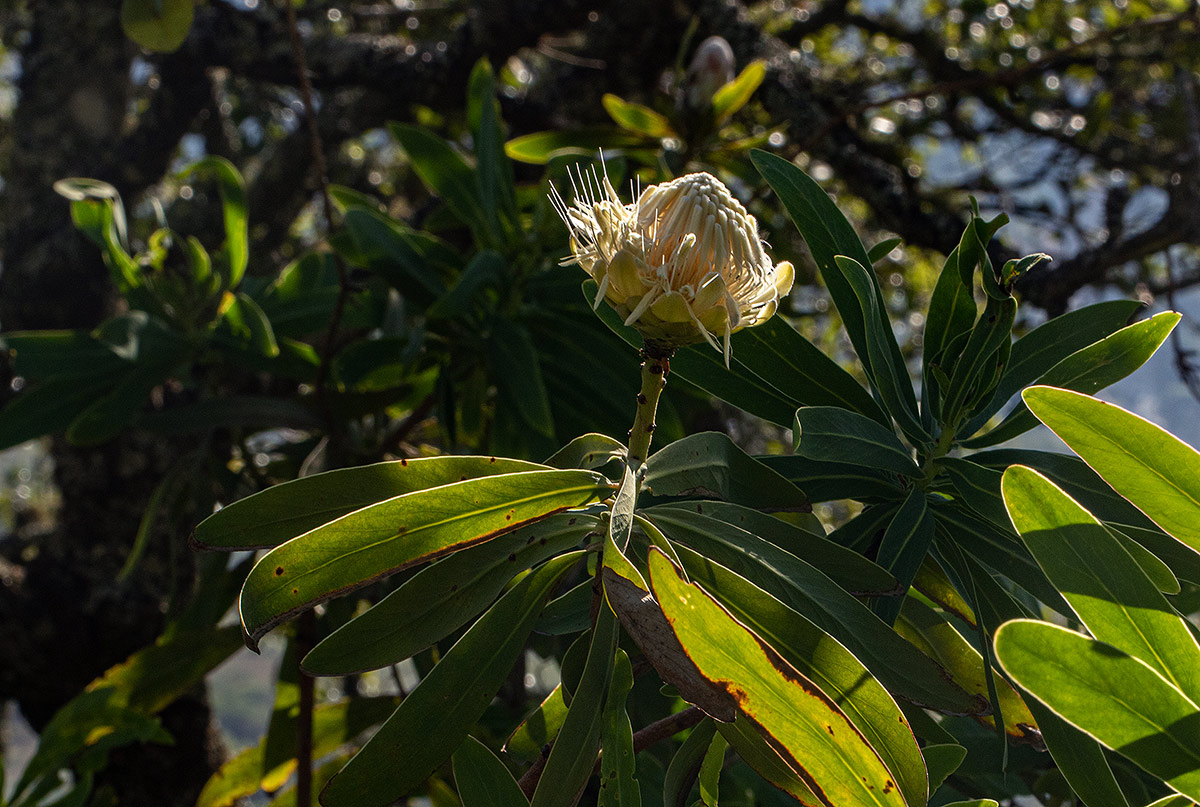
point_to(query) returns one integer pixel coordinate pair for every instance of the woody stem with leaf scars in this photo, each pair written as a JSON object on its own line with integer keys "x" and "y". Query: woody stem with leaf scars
{"x": 654, "y": 378}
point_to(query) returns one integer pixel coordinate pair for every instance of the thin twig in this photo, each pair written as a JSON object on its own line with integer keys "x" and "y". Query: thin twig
{"x": 318, "y": 157}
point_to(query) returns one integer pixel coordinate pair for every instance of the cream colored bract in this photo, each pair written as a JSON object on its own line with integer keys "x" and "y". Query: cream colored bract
{"x": 682, "y": 263}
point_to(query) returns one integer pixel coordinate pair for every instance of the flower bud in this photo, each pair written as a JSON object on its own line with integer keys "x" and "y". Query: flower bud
{"x": 682, "y": 264}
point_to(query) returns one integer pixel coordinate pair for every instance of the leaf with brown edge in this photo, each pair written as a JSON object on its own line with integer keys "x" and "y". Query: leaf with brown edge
{"x": 397, "y": 533}
{"x": 812, "y": 735}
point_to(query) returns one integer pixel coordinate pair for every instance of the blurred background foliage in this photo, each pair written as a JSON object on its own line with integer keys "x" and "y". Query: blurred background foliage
{"x": 455, "y": 330}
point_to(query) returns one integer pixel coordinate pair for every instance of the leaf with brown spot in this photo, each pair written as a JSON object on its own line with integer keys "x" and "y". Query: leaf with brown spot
{"x": 376, "y": 541}
{"x": 786, "y": 707}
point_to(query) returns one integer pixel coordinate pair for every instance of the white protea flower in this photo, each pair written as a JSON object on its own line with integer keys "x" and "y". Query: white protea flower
{"x": 682, "y": 263}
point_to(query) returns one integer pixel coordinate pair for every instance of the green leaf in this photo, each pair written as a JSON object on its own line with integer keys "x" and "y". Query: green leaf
{"x": 904, "y": 670}
{"x": 808, "y": 729}
{"x": 38, "y": 355}
{"x": 376, "y": 541}
{"x": 825, "y": 662}
{"x": 1111, "y": 695}
{"x": 108, "y": 414}
{"x": 826, "y": 481}
{"x": 495, "y": 173}
{"x": 710, "y": 465}
{"x": 685, "y": 764}
{"x": 248, "y": 324}
{"x": 518, "y": 375}
{"x": 705, "y": 368}
{"x": 735, "y": 94}
{"x": 50, "y": 407}
{"x": 1050, "y": 343}
{"x": 1154, "y": 568}
{"x": 573, "y": 756}
{"x": 952, "y": 311}
{"x": 486, "y": 270}
{"x": 1146, "y": 464}
{"x": 942, "y": 760}
{"x": 538, "y": 728}
{"x": 540, "y": 148}
{"x": 618, "y": 781}
{"x": 830, "y": 434}
{"x": 448, "y": 175}
{"x": 880, "y": 251}
{"x": 159, "y": 25}
{"x": 847, "y": 568}
{"x": 435, "y": 718}
{"x": 710, "y": 771}
{"x": 636, "y": 118}
{"x": 1089, "y": 370}
{"x": 589, "y": 451}
{"x": 334, "y": 725}
{"x": 776, "y": 351}
{"x": 442, "y": 597}
{"x": 888, "y": 371}
{"x": 233, "y": 207}
{"x": 766, "y": 760}
{"x": 974, "y": 366}
{"x": 280, "y": 513}
{"x": 933, "y": 635}
{"x": 1100, "y": 580}
{"x": 827, "y": 234}
{"x": 1079, "y": 757}
{"x": 482, "y": 779}
{"x": 408, "y": 260}
{"x": 905, "y": 544}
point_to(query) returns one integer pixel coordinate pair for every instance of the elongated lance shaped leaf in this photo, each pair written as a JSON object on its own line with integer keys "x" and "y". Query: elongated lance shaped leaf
{"x": 589, "y": 451}
{"x": 442, "y": 597}
{"x": 1146, "y": 464}
{"x": 573, "y": 756}
{"x": 824, "y": 481}
{"x": 539, "y": 728}
{"x": 905, "y": 544}
{"x": 1048, "y": 344}
{"x": 891, "y": 378}
{"x": 1117, "y": 604}
{"x": 824, "y": 661}
{"x": 1089, "y": 370}
{"x": 618, "y": 782}
{"x": 952, "y": 310}
{"x": 685, "y": 765}
{"x": 991, "y": 332}
{"x": 808, "y": 729}
{"x": 937, "y": 638}
{"x": 1109, "y": 694}
{"x": 710, "y": 465}
{"x": 482, "y": 779}
{"x": 903, "y": 669}
{"x": 758, "y": 752}
{"x": 847, "y": 568}
{"x": 1079, "y": 757}
{"x": 280, "y": 513}
{"x": 434, "y": 719}
{"x": 370, "y": 543}
{"x": 833, "y": 434}
{"x": 233, "y": 205}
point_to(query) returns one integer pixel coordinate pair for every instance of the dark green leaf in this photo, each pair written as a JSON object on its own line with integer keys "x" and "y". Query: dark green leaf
{"x": 826, "y": 481}
{"x": 278, "y": 514}
{"x": 847, "y": 568}
{"x": 878, "y": 252}
{"x": 574, "y": 753}
{"x": 900, "y": 667}
{"x": 482, "y": 779}
{"x": 590, "y": 451}
{"x": 248, "y": 324}
{"x": 376, "y": 541}
{"x": 710, "y": 465}
{"x": 905, "y": 544}
{"x": 495, "y": 174}
{"x": 831, "y": 434}
{"x": 435, "y": 718}
{"x": 618, "y": 781}
{"x": 441, "y": 598}
{"x": 942, "y": 760}
{"x": 1050, "y": 343}
{"x": 518, "y": 375}
{"x": 449, "y": 176}
{"x": 1079, "y": 757}
{"x": 539, "y": 728}
{"x": 685, "y": 764}
{"x": 1089, "y": 370}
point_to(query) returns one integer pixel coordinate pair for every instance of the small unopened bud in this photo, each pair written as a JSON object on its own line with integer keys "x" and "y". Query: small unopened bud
{"x": 712, "y": 67}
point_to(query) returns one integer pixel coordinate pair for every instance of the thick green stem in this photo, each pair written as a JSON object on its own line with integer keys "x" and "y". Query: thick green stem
{"x": 654, "y": 379}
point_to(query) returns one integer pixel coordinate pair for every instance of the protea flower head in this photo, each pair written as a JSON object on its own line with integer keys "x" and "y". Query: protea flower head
{"x": 683, "y": 263}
